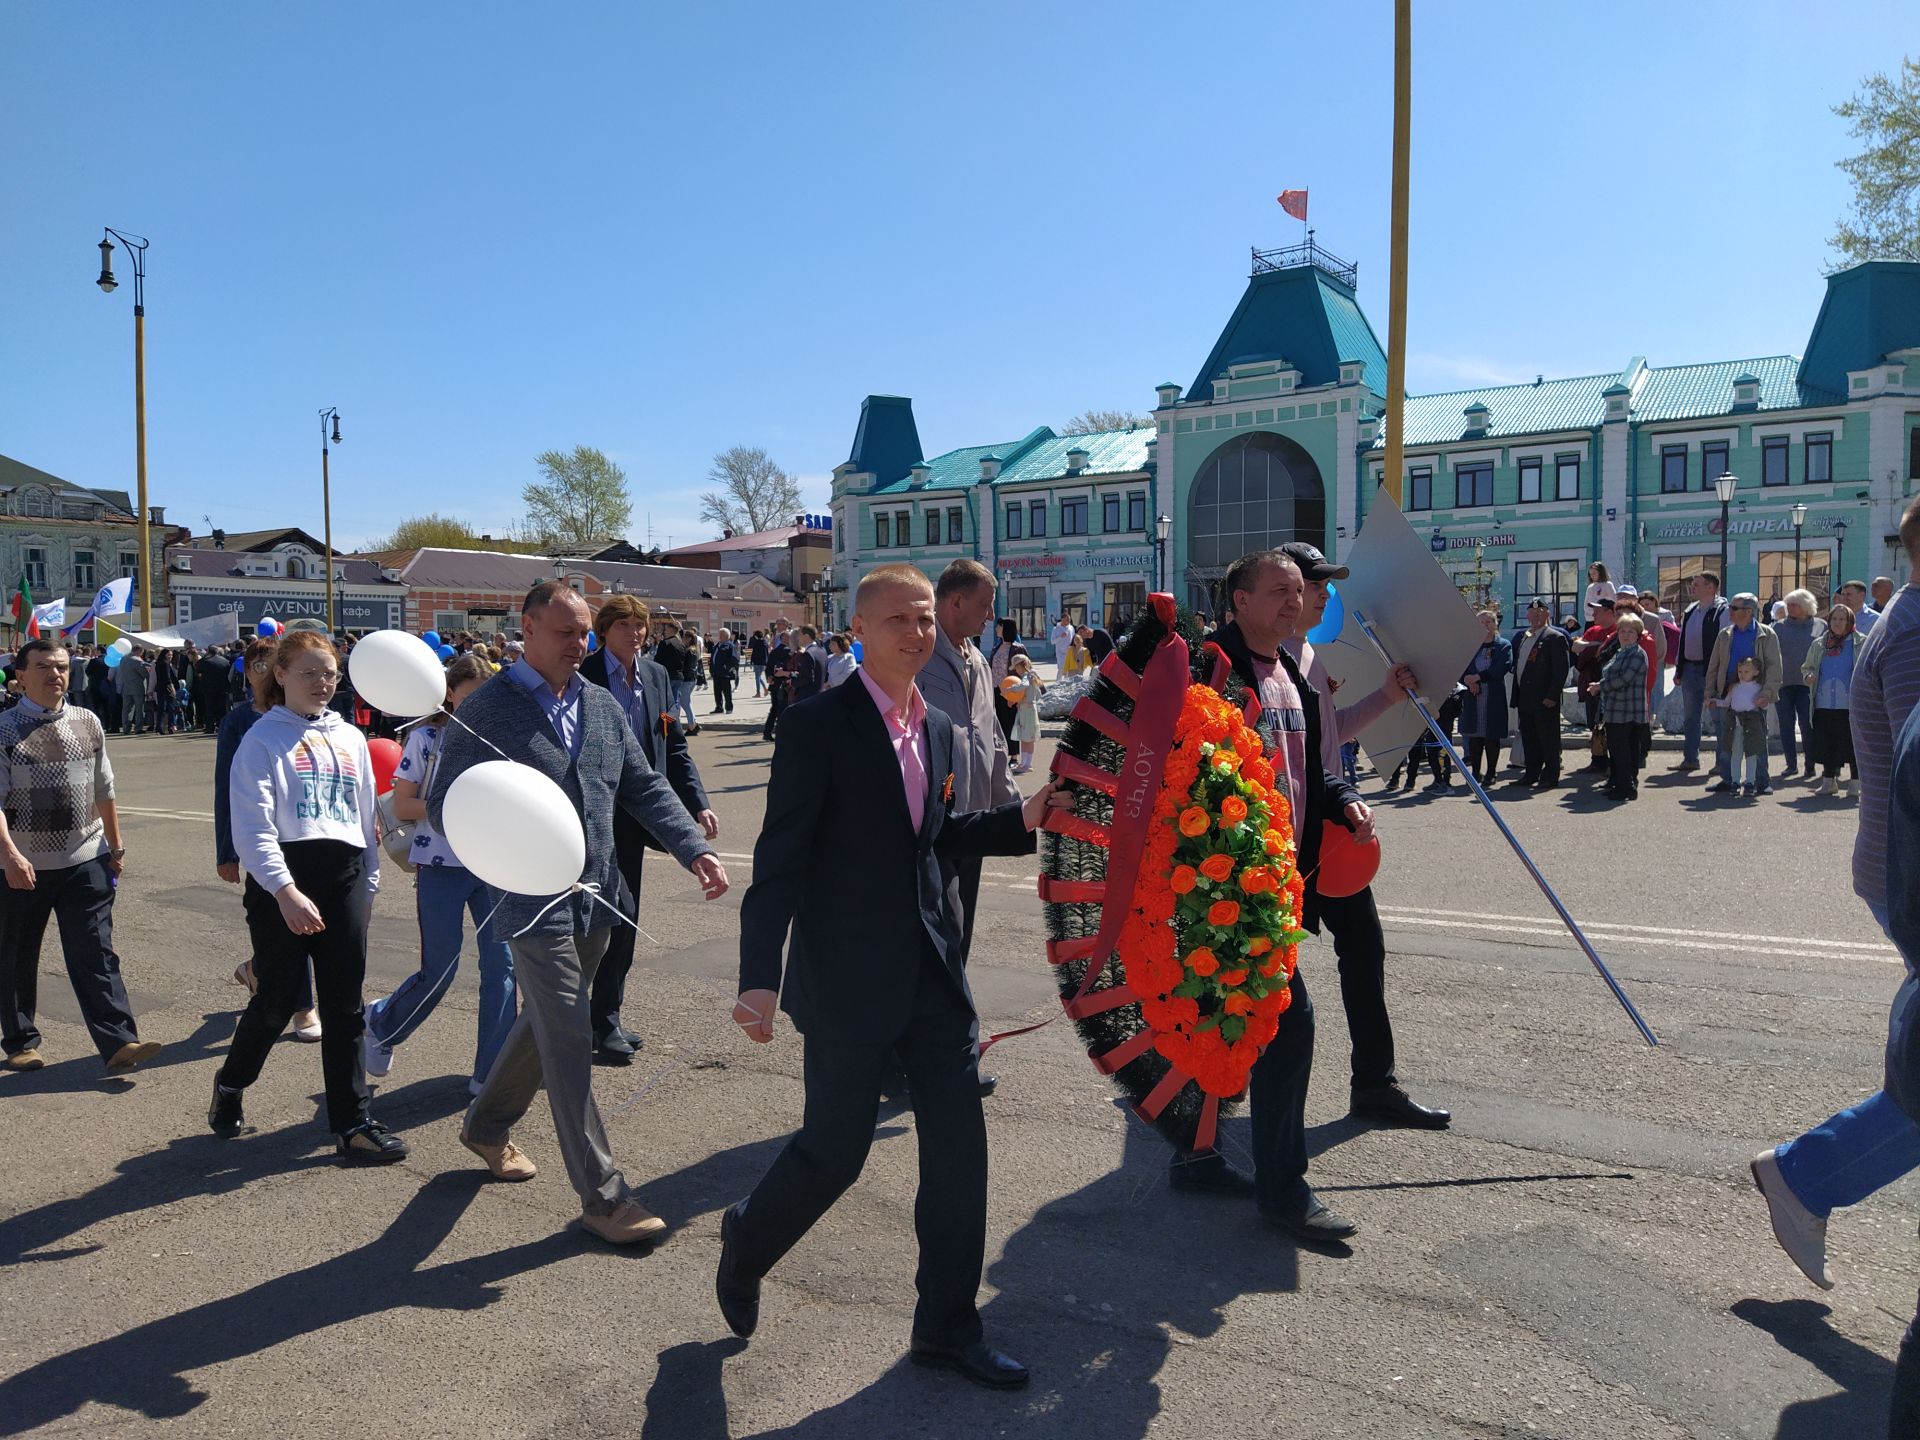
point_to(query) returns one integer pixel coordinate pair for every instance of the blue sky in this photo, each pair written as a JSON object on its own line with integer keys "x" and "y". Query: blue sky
{"x": 485, "y": 229}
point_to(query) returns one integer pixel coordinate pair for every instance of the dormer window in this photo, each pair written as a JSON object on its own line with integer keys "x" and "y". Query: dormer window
{"x": 1478, "y": 418}
{"x": 917, "y": 475}
{"x": 1746, "y": 391}
{"x": 1076, "y": 460}
{"x": 35, "y": 501}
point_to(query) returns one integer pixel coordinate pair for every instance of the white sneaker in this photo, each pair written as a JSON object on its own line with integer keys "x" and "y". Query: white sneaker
{"x": 1801, "y": 1233}
{"x": 1825, "y": 785}
{"x": 1844, "y": 788}
{"x": 378, "y": 1058}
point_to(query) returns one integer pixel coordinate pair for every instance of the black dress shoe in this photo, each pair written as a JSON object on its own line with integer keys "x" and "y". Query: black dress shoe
{"x": 1207, "y": 1172}
{"x": 979, "y": 1362}
{"x": 1719, "y": 787}
{"x": 1311, "y": 1221}
{"x": 1393, "y": 1106}
{"x": 737, "y": 1292}
{"x": 370, "y": 1142}
{"x": 613, "y": 1049}
{"x": 988, "y": 1084}
{"x": 224, "y": 1117}
{"x": 638, "y": 1042}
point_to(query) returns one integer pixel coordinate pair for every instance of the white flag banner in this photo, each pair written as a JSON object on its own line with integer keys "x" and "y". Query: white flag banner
{"x": 51, "y": 615}
{"x": 219, "y": 629}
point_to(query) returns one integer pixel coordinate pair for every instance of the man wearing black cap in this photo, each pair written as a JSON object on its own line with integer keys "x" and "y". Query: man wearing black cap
{"x": 1541, "y": 660}
{"x": 1359, "y": 945}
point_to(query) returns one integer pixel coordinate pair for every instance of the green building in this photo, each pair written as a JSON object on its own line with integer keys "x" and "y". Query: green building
{"x": 1520, "y": 486}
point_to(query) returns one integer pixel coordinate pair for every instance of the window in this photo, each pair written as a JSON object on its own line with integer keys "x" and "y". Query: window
{"x": 1109, "y": 513}
{"x": 1777, "y": 575}
{"x": 1473, "y": 485}
{"x": 882, "y": 530}
{"x": 129, "y": 562}
{"x": 1677, "y": 572}
{"x": 1819, "y": 460}
{"x": 1913, "y": 453}
{"x": 1420, "y": 489}
{"x": 933, "y": 527}
{"x": 1529, "y": 481}
{"x": 34, "y": 562}
{"x": 903, "y": 527}
{"x": 1713, "y": 462}
{"x": 1027, "y": 605}
{"x": 956, "y": 526}
{"x": 1773, "y": 460}
{"x": 1566, "y": 477}
{"x": 1073, "y": 605}
{"x": 1073, "y": 516}
{"x": 35, "y": 501}
{"x": 1125, "y": 600}
{"x": 1137, "y": 513}
{"x": 83, "y": 570}
{"x": 448, "y": 622}
{"x": 1673, "y": 469}
{"x": 1253, "y": 492}
{"x": 1561, "y": 583}
{"x": 1013, "y": 522}
{"x": 1037, "y": 518}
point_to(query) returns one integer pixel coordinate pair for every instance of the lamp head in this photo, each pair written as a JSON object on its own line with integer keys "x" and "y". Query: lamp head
{"x": 1799, "y": 513}
{"x": 336, "y": 428}
{"x": 1163, "y": 527}
{"x": 1725, "y": 486}
{"x": 106, "y": 281}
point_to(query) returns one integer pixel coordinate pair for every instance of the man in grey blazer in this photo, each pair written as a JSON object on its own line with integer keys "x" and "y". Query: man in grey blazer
{"x": 958, "y": 681}
{"x": 539, "y": 712}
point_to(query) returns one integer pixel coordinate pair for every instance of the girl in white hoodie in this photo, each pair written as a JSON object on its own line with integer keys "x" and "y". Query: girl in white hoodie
{"x": 303, "y": 825}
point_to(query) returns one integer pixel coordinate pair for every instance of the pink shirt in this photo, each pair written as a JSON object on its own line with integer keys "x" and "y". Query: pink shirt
{"x": 907, "y": 733}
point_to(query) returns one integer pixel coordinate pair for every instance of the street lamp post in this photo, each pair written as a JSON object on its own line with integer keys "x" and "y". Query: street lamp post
{"x": 328, "y": 416}
{"x": 1162, "y": 532}
{"x": 1724, "y": 488}
{"x": 137, "y": 248}
{"x": 1839, "y": 560}
{"x": 1799, "y": 513}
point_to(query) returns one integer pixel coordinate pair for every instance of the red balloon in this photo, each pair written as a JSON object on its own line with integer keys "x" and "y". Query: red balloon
{"x": 386, "y": 760}
{"x": 1346, "y": 866}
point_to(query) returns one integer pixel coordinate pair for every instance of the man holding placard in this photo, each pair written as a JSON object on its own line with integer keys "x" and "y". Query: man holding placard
{"x": 540, "y": 713}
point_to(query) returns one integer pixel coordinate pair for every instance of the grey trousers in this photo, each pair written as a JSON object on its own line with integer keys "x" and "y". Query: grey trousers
{"x": 553, "y": 1040}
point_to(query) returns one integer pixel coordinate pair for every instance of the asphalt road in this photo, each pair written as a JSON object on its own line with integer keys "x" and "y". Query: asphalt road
{"x": 1581, "y": 1256}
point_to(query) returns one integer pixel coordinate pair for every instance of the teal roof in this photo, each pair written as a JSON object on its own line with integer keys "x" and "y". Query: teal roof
{"x": 1870, "y": 310}
{"x": 1304, "y": 316}
{"x": 959, "y": 469}
{"x": 887, "y": 442}
{"x": 1109, "y": 452}
{"x": 1511, "y": 409}
{"x": 1683, "y": 392}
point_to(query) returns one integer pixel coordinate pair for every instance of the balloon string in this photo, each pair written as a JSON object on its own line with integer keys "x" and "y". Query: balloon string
{"x": 454, "y": 719}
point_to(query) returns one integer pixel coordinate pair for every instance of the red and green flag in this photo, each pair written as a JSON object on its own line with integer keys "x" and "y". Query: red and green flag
{"x": 23, "y": 617}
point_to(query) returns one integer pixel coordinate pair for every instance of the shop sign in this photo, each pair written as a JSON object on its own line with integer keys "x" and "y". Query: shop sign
{"x": 251, "y": 607}
{"x": 1439, "y": 544}
{"x": 1763, "y": 525}
{"x": 1079, "y": 564}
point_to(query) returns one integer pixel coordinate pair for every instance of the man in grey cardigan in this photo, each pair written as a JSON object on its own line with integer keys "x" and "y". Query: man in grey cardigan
{"x": 539, "y": 712}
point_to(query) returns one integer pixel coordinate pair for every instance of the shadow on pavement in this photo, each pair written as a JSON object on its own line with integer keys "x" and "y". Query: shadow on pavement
{"x": 88, "y": 1073}
{"x": 1865, "y": 1379}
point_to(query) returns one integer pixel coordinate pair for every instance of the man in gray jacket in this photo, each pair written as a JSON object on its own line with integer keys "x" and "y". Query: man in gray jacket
{"x": 958, "y": 680}
{"x": 539, "y": 712}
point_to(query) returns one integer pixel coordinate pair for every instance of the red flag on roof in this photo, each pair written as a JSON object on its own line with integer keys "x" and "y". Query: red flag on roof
{"x": 1294, "y": 202}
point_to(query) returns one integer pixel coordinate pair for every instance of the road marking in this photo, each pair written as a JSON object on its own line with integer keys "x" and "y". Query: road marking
{"x": 1721, "y": 937}
{"x": 204, "y": 816}
{"x": 1530, "y": 927}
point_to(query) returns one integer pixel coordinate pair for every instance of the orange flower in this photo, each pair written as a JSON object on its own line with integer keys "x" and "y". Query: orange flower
{"x": 1238, "y": 1004}
{"x": 1274, "y": 966}
{"x": 1233, "y": 977}
{"x": 1223, "y": 912}
{"x": 1226, "y": 761}
{"x": 1276, "y": 843}
{"x": 1247, "y": 742}
{"x": 1217, "y": 868}
{"x": 1256, "y": 880}
{"x": 1259, "y": 946}
{"x": 1258, "y": 771}
{"x": 1232, "y": 811}
{"x": 1194, "y": 821}
{"x": 1183, "y": 879}
{"x": 1202, "y": 961}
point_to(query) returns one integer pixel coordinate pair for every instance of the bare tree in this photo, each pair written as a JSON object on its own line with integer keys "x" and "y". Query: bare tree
{"x": 1885, "y": 116}
{"x": 581, "y": 497}
{"x": 1092, "y": 421}
{"x": 754, "y": 494}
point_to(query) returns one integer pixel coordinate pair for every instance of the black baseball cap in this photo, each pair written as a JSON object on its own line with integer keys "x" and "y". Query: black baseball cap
{"x": 1540, "y": 603}
{"x": 1313, "y": 565}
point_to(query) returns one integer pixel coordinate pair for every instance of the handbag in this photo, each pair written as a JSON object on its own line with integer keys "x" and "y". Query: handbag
{"x": 396, "y": 835}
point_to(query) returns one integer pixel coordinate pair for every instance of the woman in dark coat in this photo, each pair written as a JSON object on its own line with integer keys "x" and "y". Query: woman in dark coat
{"x": 1483, "y": 710}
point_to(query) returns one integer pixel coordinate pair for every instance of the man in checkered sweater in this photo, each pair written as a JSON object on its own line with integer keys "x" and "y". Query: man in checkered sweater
{"x": 60, "y": 845}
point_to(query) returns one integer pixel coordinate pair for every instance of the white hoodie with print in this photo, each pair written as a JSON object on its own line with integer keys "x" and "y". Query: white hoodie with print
{"x": 296, "y": 778}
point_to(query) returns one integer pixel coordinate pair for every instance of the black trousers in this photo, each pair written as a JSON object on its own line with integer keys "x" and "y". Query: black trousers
{"x": 1006, "y": 714}
{"x": 935, "y": 1045}
{"x": 1277, "y": 1106}
{"x": 1483, "y": 758}
{"x": 332, "y": 874}
{"x": 776, "y": 702}
{"x": 722, "y": 693}
{"x": 610, "y": 979}
{"x": 1360, "y": 947}
{"x": 80, "y": 897}
{"x": 1540, "y": 742}
{"x": 1624, "y": 753}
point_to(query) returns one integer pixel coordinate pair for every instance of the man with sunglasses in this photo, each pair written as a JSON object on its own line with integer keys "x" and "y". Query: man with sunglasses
{"x": 1745, "y": 639}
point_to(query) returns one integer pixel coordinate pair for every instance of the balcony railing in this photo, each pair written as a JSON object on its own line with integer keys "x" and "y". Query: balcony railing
{"x": 1289, "y": 257}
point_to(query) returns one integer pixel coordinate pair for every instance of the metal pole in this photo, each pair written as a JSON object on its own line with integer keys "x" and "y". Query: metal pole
{"x": 326, "y": 520}
{"x": 1486, "y": 801}
{"x": 144, "y": 570}
{"x": 1797, "y": 581}
{"x": 1397, "y": 257}
{"x": 1726, "y": 580}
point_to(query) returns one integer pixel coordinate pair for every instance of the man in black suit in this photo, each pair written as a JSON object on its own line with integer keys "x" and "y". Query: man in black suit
{"x": 645, "y": 692}
{"x": 1541, "y": 660}
{"x": 861, "y": 788}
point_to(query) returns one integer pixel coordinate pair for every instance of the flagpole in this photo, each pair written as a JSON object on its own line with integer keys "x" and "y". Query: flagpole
{"x": 1397, "y": 255}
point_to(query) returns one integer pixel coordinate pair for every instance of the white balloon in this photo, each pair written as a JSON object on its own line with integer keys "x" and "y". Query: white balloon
{"x": 513, "y": 827}
{"x": 394, "y": 672}
{"x": 123, "y": 646}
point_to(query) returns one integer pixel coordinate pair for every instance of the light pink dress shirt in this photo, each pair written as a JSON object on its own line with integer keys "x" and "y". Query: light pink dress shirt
{"x": 907, "y": 733}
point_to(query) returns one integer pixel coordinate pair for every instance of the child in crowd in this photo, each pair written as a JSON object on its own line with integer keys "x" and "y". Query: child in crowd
{"x": 1022, "y": 690}
{"x": 1744, "y": 729}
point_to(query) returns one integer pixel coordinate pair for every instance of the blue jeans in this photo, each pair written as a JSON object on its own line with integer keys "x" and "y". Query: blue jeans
{"x": 683, "y": 703}
{"x": 1864, "y": 1148}
{"x": 1693, "y": 686}
{"x": 442, "y": 892}
{"x": 1795, "y": 706}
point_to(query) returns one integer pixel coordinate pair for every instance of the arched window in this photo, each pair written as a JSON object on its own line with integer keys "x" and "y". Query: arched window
{"x": 34, "y": 500}
{"x": 1253, "y": 493}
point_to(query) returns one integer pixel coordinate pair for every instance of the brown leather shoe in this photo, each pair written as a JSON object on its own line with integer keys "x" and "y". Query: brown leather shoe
{"x": 25, "y": 1060}
{"x": 629, "y": 1223}
{"x": 131, "y": 1054}
{"x": 506, "y": 1161}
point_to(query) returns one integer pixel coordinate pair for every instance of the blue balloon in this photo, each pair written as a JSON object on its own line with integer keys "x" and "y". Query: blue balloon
{"x": 593, "y": 642}
{"x": 1328, "y": 630}
{"x": 239, "y": 662}
{"x": 267, "y": 629}
{"x": 432, "y": 637}
{"x": 446, "y": 652}
{"x": 112, "y": 657}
